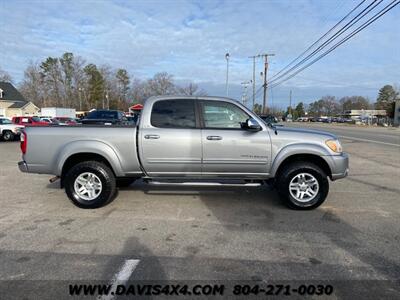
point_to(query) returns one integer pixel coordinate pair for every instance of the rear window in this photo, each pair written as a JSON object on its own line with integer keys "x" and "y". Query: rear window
{"x": 173, "y": 114}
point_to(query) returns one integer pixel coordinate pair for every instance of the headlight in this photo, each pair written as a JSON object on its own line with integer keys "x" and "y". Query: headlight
{"x": 334, "y": 145}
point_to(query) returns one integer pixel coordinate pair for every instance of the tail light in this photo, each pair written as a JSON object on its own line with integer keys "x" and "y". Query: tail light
{"x": 24, "y": 142}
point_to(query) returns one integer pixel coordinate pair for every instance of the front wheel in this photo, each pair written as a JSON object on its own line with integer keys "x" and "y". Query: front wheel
{"x": 303, "y": 185}
{"x": 90, "y": 184}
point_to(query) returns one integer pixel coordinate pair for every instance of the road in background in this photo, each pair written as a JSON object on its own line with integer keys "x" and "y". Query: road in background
{"x": 205, "y": 234}
{"x": 384, "y": 135}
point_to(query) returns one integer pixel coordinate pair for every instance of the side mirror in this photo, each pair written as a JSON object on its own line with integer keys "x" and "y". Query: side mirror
{"x": 252, "y": 125}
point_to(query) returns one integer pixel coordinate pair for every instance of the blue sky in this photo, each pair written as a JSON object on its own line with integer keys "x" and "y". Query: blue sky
{"x": 190, "y": 38}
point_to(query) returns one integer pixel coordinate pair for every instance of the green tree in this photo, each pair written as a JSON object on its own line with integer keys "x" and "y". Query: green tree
{"x": 96, "y": 84}
{"x": 67, "y": 68}
{"x": 386, "y": 98}
{"x": 300, "y": 109}
{"x": 257, "y": 108}
{"x": 51, "y": 73}
{"x": 123, "y": 81}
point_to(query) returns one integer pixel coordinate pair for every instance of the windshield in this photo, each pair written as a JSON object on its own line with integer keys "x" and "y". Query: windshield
{"x": 5, "y": 121}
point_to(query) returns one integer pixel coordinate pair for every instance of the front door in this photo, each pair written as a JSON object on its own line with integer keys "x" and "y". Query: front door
{"x": 171, "y": 143}
{"x": 229, "y": 150}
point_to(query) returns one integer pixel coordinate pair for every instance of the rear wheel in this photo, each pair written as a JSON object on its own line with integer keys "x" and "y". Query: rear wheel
{"x": 303, "y": 185}
{"x": 90, "y": 184}
{"x": 8, "y": 135}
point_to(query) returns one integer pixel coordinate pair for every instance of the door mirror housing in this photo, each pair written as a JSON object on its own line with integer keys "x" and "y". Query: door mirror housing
{"x": 251, "y": 125}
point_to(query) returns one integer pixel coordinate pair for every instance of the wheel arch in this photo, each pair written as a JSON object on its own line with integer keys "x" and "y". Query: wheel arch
{"x": 79, "y": 151}
{"x": 315, "y": 154}
{"x": 77, "y": 158}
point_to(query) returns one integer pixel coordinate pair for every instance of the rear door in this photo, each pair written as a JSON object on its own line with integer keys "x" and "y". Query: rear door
{"x": 170, "y": 144}
{"x": 229, "y": 150}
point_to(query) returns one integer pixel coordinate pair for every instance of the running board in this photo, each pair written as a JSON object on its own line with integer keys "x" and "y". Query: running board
{"x": 255, "y": 184}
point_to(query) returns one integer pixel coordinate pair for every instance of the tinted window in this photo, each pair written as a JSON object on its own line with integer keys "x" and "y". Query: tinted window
{"x": 35, "y": 119}
{"x": 223, "y": 115}
{"x": 173, "y": 114}
{"x": 102, "y": 114}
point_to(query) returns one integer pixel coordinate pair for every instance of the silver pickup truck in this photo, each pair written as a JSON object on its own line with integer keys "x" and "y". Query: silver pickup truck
{"x": 199, "y": 141}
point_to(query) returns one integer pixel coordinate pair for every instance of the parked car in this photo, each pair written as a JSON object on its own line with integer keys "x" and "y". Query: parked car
{"x": 326, "y": 120}
{"x": 66, "y": 121}
{"x": 302, "y": 119}
{"x": 269, "y": 119}
{"x": 105, "y": 117}
{"x": 133, "y": 120}
{"x": 29, "y": 121}
{"x": 179, "y": 142}
{"x": 49, "y": 120}
{"x": 8, "y": 130}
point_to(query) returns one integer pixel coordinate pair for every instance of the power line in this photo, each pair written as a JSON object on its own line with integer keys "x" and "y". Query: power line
{"x": 378, "y": 15}
{"x": 347, "y": 26}
{"x": 317, "y": 41}
{"x": 310, "y": 47}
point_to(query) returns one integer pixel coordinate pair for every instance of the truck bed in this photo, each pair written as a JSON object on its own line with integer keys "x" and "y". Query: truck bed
{"x": 49, "y": 147}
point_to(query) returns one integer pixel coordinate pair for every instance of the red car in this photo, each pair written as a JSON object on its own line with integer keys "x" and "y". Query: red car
{"x": 29, "y": 121}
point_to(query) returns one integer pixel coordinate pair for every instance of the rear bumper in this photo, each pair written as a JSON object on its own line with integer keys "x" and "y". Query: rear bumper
{"x": 339, "y": 166}
{"x": 23, "y": 167}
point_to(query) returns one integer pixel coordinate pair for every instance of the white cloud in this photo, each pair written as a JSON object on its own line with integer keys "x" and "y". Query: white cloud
{"x": 190, "y": 39}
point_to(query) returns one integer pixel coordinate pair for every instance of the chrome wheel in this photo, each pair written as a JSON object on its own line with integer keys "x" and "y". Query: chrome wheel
{"x": 304, "y": 187}
{"x": 88, "y": 186}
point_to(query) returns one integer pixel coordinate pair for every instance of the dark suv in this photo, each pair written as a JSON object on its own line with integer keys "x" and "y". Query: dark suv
{"x": 105, "y": 117}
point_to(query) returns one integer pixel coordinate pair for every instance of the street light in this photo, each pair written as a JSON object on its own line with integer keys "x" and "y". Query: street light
{"x": 227, "y": 71}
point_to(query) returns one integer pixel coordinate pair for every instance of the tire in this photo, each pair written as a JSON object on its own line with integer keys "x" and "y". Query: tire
{"x": 125, "y": 181}
{"x": 8, "y": 135}
{"x": 306, "y": 180}
{"x": 100, "y": 180}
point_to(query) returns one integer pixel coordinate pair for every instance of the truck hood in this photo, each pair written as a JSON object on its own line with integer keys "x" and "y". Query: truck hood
{"x": 12, "y": 126}
{"x": 304, "y": 133}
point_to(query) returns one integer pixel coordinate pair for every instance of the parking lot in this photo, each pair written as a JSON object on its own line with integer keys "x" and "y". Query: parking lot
{"x": 206, "y": 234}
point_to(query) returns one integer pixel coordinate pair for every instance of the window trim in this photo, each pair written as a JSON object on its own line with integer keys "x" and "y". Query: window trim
{"x": 202, "y": 112}
{"x": 196, "y": 114}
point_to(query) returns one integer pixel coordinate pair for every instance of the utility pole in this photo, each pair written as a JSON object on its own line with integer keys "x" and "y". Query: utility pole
{"x": 254, "y": 79}
{"x": 290, "y": 102}
{"x": 265, "y": 79}
{"x": 244, "y": 95}
{"x": 227, "y": 72}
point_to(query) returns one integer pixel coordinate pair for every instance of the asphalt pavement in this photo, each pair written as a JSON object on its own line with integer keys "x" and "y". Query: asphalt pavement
{"x": 378, "y": 135}
{"x": 208, "y": 235}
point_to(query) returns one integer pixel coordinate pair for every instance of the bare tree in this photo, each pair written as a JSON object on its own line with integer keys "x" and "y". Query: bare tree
{"x": 33, "y": 87}
{"x": 4, "y": 76}
{"x": 191, "y": 89}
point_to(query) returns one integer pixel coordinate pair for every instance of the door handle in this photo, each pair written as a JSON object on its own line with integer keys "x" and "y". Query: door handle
{"x": 214, "y": 138}
{"x": 151, "y": 136}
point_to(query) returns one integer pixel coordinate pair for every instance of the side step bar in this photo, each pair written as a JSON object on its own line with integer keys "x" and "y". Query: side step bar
{"x": 159, "y": 183}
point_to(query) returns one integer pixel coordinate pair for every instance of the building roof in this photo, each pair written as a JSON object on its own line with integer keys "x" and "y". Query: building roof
{"x": 18, "y": 104}
{"x": 10, "y": 93}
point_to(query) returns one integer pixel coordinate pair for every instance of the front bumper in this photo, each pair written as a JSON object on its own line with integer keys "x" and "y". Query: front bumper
{"x": 339, "y": 166}
{"x": 23, "y": 167}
